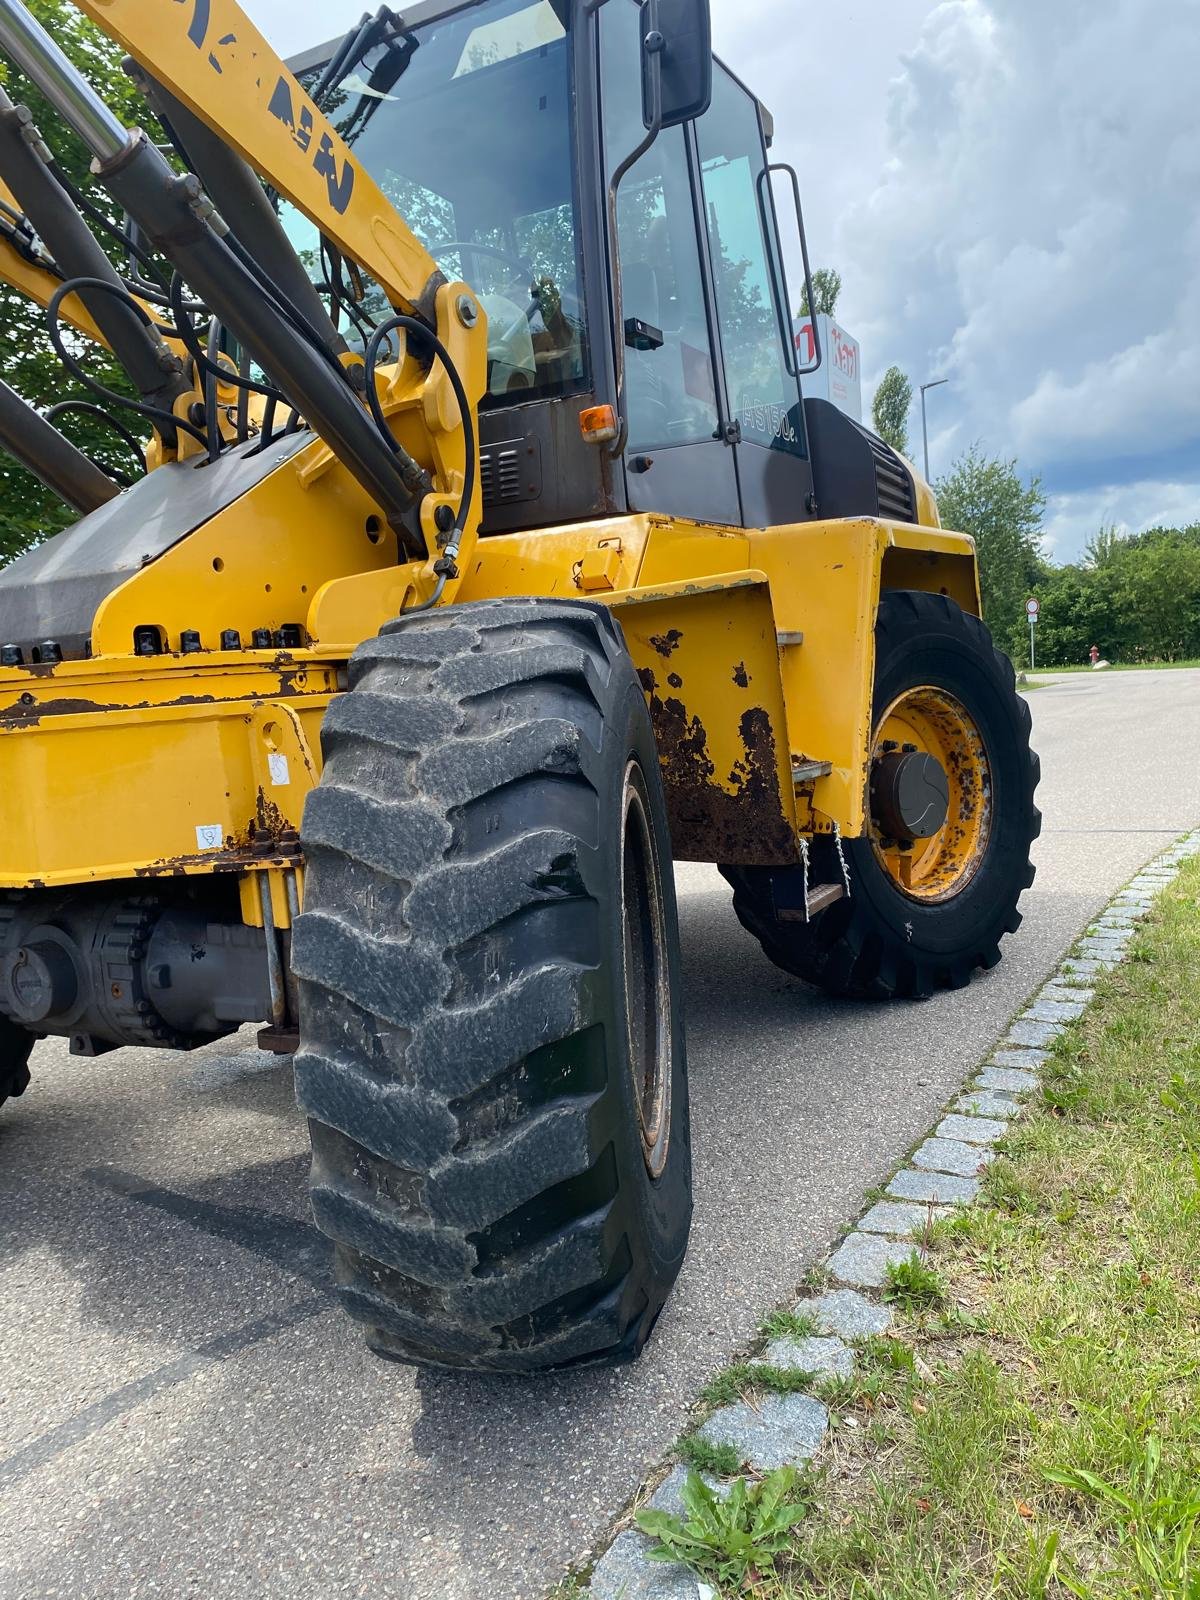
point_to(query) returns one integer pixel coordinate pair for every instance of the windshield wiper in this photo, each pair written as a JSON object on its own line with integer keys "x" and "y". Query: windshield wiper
{"x": 385, "y": 29}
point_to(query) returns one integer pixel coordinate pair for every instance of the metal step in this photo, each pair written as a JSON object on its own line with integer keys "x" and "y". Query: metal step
{"x": 784, "y": 638}
{"x": 806, "y": 771}
{"x": 820, "y": 897}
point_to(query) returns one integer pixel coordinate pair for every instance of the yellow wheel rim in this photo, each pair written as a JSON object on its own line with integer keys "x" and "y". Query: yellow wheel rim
{"x": 935, "y": 722}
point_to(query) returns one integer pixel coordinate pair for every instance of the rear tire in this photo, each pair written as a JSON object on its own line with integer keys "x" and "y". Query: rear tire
{"x": 15, "y": 1047}
{"x": 488, "y": 956}
{"x": 882, "y": 942}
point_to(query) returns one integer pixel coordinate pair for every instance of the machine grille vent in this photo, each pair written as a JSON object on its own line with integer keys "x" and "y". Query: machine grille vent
{"x": 509, "y": 471}
{"x": 892, "y": 483}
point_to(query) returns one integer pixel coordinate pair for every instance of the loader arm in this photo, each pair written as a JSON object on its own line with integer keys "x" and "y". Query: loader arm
{"x": 210, "y": 56}
{"x": 29, "y": 272}
{"x": 214, "y": 63}
{"x": 33, "y": 276}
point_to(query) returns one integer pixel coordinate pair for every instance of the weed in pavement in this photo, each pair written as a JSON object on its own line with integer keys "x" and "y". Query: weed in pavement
{"x": 735, "y": 1538}
{"x": 789, "y": 1324}
{"x": 720, "y": 1460}
{"x": 912, "y": 1284}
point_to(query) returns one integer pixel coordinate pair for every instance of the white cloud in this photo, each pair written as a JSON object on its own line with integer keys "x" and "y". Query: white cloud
{"x": 1033, "y": 236}
{"x": 1072, "y": 519}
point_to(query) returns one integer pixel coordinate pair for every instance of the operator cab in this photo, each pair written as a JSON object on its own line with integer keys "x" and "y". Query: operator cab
{"x": 497, "y": 128}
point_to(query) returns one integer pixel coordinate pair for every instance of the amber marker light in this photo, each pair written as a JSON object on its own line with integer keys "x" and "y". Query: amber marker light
{"x": 598, "y": 424}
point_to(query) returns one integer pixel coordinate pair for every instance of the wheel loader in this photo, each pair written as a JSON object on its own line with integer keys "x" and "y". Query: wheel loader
{"x": 488, "y": 559}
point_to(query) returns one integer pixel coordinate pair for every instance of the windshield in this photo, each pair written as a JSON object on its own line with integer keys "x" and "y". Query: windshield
{"x": 464, "y": 124}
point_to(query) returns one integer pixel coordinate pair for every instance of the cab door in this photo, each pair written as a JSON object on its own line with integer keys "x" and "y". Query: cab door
{"x": 678, "y": 455}
{"x": 757, "y": 362}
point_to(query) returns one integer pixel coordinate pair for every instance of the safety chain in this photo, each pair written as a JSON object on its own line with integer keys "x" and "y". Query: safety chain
{"x": 837, "y": 839}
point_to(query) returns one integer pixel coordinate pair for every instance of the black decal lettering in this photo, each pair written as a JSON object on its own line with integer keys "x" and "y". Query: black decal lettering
{"x": 340, "y": 189}
{"x": 198, "y": 26}
{"x": 230, "y": 38}
{"x": 280, "y": 105}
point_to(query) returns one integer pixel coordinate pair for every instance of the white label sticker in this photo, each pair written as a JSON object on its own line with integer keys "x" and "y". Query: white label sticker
{"x": 280, "y": 776}
{"x": 210, "y": 837}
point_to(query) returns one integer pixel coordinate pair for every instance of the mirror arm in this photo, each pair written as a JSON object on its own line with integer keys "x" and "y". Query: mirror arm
{"x": 652, "y": 44}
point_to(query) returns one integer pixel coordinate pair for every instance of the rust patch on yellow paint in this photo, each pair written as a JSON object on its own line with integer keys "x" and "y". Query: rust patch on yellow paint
{"x": 740, "y": 820}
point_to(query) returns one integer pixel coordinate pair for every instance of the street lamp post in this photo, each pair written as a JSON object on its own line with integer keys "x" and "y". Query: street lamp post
{"x": 937, "y": 382}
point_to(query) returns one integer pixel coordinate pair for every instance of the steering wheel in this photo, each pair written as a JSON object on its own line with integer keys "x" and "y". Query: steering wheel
{"x": 520, "y": 264}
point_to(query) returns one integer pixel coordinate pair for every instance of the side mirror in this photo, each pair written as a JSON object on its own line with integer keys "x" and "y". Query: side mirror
{"x": 676, "y": 61}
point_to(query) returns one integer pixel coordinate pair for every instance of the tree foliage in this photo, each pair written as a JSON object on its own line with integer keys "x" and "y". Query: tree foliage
{"x": 1136, "y": 597}
{"x": 890, "y": 408}
{"x": 29, "y": 512}
{"x": 827, "y": 289}
{"x": 984, "y": 496}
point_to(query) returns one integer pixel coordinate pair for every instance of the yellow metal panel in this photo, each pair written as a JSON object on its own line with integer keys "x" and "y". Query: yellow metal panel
{"x": 825, "y": 584}
{"x": 166, "y": 769}
{"x": 544, "y": 561}
{"x": 284, "y": 766}
{"x": 679, "y": 549}
{"x": 706, "y": 656}
{"x": 936, "y": 571}
{"x": 133, "y": 794}
{"x": 257, "y": 564}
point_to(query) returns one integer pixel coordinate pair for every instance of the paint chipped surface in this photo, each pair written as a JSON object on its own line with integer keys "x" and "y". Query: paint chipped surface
{"x": 738, "y": 820}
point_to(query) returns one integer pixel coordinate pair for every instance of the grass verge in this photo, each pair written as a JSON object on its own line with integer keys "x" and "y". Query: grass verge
{"x": 1044, "y": 1439}
{"x": 1114, "y": 666}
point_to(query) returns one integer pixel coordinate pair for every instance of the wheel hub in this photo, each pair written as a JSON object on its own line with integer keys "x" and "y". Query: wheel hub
{"x": 930, "y": 794}
{"x": 910, "y": 794}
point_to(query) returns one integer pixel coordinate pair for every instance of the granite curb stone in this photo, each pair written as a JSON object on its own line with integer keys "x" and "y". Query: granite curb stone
{"x": 862, "y": 1259}
{"x": 971, "y": 1130}
{"x": 778, "y": 1431}
{"x": 1010, "y": 1079}
{"x": 1025, "y": 1059}
{"x": 820, "y": 1354}
{"x": 940, "y": 1188}
{"x": 847, "y": 1313}
{"x": 900, "y": 1217}
{"x": 987, "y": 1103}
{"x": 952, "y": 1155}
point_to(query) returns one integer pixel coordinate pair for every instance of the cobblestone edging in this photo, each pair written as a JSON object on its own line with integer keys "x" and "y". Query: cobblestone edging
{"x": 941, "y": 1173}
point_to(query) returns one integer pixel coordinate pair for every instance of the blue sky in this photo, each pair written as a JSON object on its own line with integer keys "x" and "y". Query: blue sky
{"x": 1011, "y": 191}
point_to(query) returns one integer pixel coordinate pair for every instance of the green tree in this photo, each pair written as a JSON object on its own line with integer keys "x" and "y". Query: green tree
{"x": 827, "y": 289}
{"x": 984, "y": 496}
{"x": 890, "y": 408}
{"x": 28, "y": 511}
{"x": 1077, "y": 612}
{"x": 1135, "y": 596}
{"x": 1102, "y": 546}
{"x": 1154, "y": 578}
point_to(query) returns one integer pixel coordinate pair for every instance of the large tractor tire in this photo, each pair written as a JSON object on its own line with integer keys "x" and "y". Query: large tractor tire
{"x": 927, "y": 916}
{"x": 15, "y": 1047}
{"x": 492, "y": 1053}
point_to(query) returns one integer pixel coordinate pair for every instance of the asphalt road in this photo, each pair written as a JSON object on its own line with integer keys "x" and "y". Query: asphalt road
{"x": 183, "y": 1410}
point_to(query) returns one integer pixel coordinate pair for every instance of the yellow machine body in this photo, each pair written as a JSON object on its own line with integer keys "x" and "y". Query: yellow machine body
{"x": 754, "y": 646}
{"x": 754, "y": 649}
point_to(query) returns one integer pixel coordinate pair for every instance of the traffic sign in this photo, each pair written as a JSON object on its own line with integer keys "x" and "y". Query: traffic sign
{"x": 1032, "y": 607}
